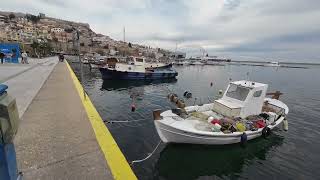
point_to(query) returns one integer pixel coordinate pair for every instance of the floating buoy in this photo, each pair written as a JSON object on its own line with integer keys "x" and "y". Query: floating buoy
{"x": 172, "y": 97}
{"x": 243, "y": 139}
{"x": 133, "y": 108}
{"x": 181, "y": 104}
{"x": 189, "y": 95}
{"x": 285, "y": 124}
{"x": 185, "y": 93}
{"x": 175, "y": 99}
{"x": 266, "y": 132}
{"x": 211, "y": 84}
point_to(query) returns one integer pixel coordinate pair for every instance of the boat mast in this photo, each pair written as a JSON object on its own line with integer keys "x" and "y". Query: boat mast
{"x": 124, "y": 34}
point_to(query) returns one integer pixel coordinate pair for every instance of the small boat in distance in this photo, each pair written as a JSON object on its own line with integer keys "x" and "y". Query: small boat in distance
{"x": 213, "y": 60}
{"x": 273, "y": 64}
{"x": 243, "y": 113}
{"x": 196, "y": 62}
{"x": 137, "y": 68}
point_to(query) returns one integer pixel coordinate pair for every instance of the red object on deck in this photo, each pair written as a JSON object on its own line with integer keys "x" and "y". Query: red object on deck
{"x": 259, "y": 124}
{"x": 215, "y": 121}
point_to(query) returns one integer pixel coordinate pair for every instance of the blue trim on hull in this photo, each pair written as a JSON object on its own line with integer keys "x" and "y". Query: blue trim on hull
{"x": 113, "y": 74}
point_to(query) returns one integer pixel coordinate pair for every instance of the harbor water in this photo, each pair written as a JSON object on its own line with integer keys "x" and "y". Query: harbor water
{"x": 284, "y": 155}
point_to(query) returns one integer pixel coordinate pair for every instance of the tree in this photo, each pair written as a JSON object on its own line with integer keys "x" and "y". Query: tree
{"x": 152, "y": 55}
{"x": 55, "y": 40}
{"x": 101, "y": 52}
{"x": 34, "y": 19}
{"x": 35, "y": 46}
{"x": 106, "y": 46}
{"x": 12, "y": 16}
{"x": 45, "y": 48}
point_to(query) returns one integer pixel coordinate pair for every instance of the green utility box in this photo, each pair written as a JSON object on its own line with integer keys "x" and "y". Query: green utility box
{"x": 9, "y": 116}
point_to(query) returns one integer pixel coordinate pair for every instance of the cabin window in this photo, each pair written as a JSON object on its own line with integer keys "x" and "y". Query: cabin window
{"x": 139, "y": 60}
{"x": 237, "y": 92}
{"x": 257, "y": 93}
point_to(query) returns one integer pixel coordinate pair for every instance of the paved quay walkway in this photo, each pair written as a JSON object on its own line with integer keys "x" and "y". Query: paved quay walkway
{"x": 25, "y": 80}
{"x": 55, "y": 139}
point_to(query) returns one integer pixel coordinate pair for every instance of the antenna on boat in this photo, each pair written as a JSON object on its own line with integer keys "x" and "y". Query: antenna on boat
{"x": 248, "y": 76}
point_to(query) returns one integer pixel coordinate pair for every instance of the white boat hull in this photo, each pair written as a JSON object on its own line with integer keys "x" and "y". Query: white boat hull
{"x": 169, "y": 134}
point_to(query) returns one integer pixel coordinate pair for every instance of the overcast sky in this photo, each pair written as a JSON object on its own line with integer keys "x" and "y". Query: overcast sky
{"x": 243, "y": 29}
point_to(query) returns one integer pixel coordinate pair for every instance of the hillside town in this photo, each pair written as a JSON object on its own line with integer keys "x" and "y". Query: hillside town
{"x": 42, "y": 36}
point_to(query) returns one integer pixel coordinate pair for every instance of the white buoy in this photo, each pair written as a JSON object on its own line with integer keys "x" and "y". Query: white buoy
{"x": 210, "y": 119}
{"x": 285, "y": 125}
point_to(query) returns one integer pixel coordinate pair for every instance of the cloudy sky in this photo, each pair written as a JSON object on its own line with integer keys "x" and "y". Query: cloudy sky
{"x": 242, "y": 29}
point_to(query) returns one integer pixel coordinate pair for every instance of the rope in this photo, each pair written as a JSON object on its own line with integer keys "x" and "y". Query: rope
{"x": 127, "y": 121}
{"x": 150, "y": 154}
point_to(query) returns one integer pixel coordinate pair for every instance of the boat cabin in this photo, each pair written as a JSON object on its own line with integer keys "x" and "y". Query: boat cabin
{"x": 135, "y": 64}
{"x": 241, "y": 99}
{"x": 111, "y": 61}
{"x": 138, "y": 61}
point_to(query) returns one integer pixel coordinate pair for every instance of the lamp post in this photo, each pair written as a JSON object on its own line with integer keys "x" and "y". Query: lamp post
{"x": 76, "y": 37}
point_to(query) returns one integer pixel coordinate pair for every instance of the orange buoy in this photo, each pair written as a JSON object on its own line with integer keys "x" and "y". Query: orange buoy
{"x": 133, "y": 108}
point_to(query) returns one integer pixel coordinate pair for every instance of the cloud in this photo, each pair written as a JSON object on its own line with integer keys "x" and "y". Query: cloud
{"x": 286, "y": 28}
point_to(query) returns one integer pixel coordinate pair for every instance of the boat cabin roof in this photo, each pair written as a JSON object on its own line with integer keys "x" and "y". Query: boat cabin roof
{"x": 249, "y": 84}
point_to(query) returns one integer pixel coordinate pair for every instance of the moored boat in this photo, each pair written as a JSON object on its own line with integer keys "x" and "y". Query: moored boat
{"x": 195, "y": 62}
{"x": 273, "y": 64}
{"x": 137, "y": 69}
{"x": 181, "y": 62}
{"x": 243, "y": 113}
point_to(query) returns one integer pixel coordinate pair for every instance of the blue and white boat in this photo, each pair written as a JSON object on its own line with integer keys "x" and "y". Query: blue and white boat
{"x": 137, "y": 69}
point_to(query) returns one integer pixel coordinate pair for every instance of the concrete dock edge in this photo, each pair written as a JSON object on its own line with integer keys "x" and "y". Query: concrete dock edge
{"x": 118, "y": 164}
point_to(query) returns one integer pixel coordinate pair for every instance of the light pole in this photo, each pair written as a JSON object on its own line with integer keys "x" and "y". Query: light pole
{"x": 76, "y": 37}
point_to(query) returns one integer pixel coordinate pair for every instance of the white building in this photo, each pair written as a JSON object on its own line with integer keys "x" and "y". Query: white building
{"x": 101, "y": 39}
{"x": 57, "y": 30}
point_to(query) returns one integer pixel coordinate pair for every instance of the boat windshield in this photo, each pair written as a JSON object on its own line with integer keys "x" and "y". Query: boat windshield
{"x": 237, "y": 92}
{"x": 139, "y": 59}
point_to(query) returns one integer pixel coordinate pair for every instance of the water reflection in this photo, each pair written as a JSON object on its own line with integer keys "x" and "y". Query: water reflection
{"x": 184, "y": 161}
{"x": 287, "y": 158}
{"x": 110, "y": 85}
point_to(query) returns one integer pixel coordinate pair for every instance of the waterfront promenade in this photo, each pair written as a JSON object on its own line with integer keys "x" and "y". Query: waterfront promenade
{"x": 61, "y": 136}
{"x": 25, "y": 80}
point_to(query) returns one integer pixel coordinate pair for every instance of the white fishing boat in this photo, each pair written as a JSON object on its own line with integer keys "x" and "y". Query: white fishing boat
{"x": 181, "y": 62}
{"x": 273, "y": 64}
{"x": 195, "y": 62}
{"x": 243, "y": 113}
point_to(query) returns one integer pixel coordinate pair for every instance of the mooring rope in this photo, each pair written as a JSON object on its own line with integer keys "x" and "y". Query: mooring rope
{"x": 126, "y": 121}
{"x": 150, "y": 154}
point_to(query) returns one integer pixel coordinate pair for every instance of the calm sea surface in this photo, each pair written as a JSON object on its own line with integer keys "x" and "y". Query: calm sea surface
{"x": 284, "y": 155}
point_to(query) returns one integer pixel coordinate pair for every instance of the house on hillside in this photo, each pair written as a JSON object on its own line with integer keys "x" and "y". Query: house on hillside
{"x": 57, "y": 30}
